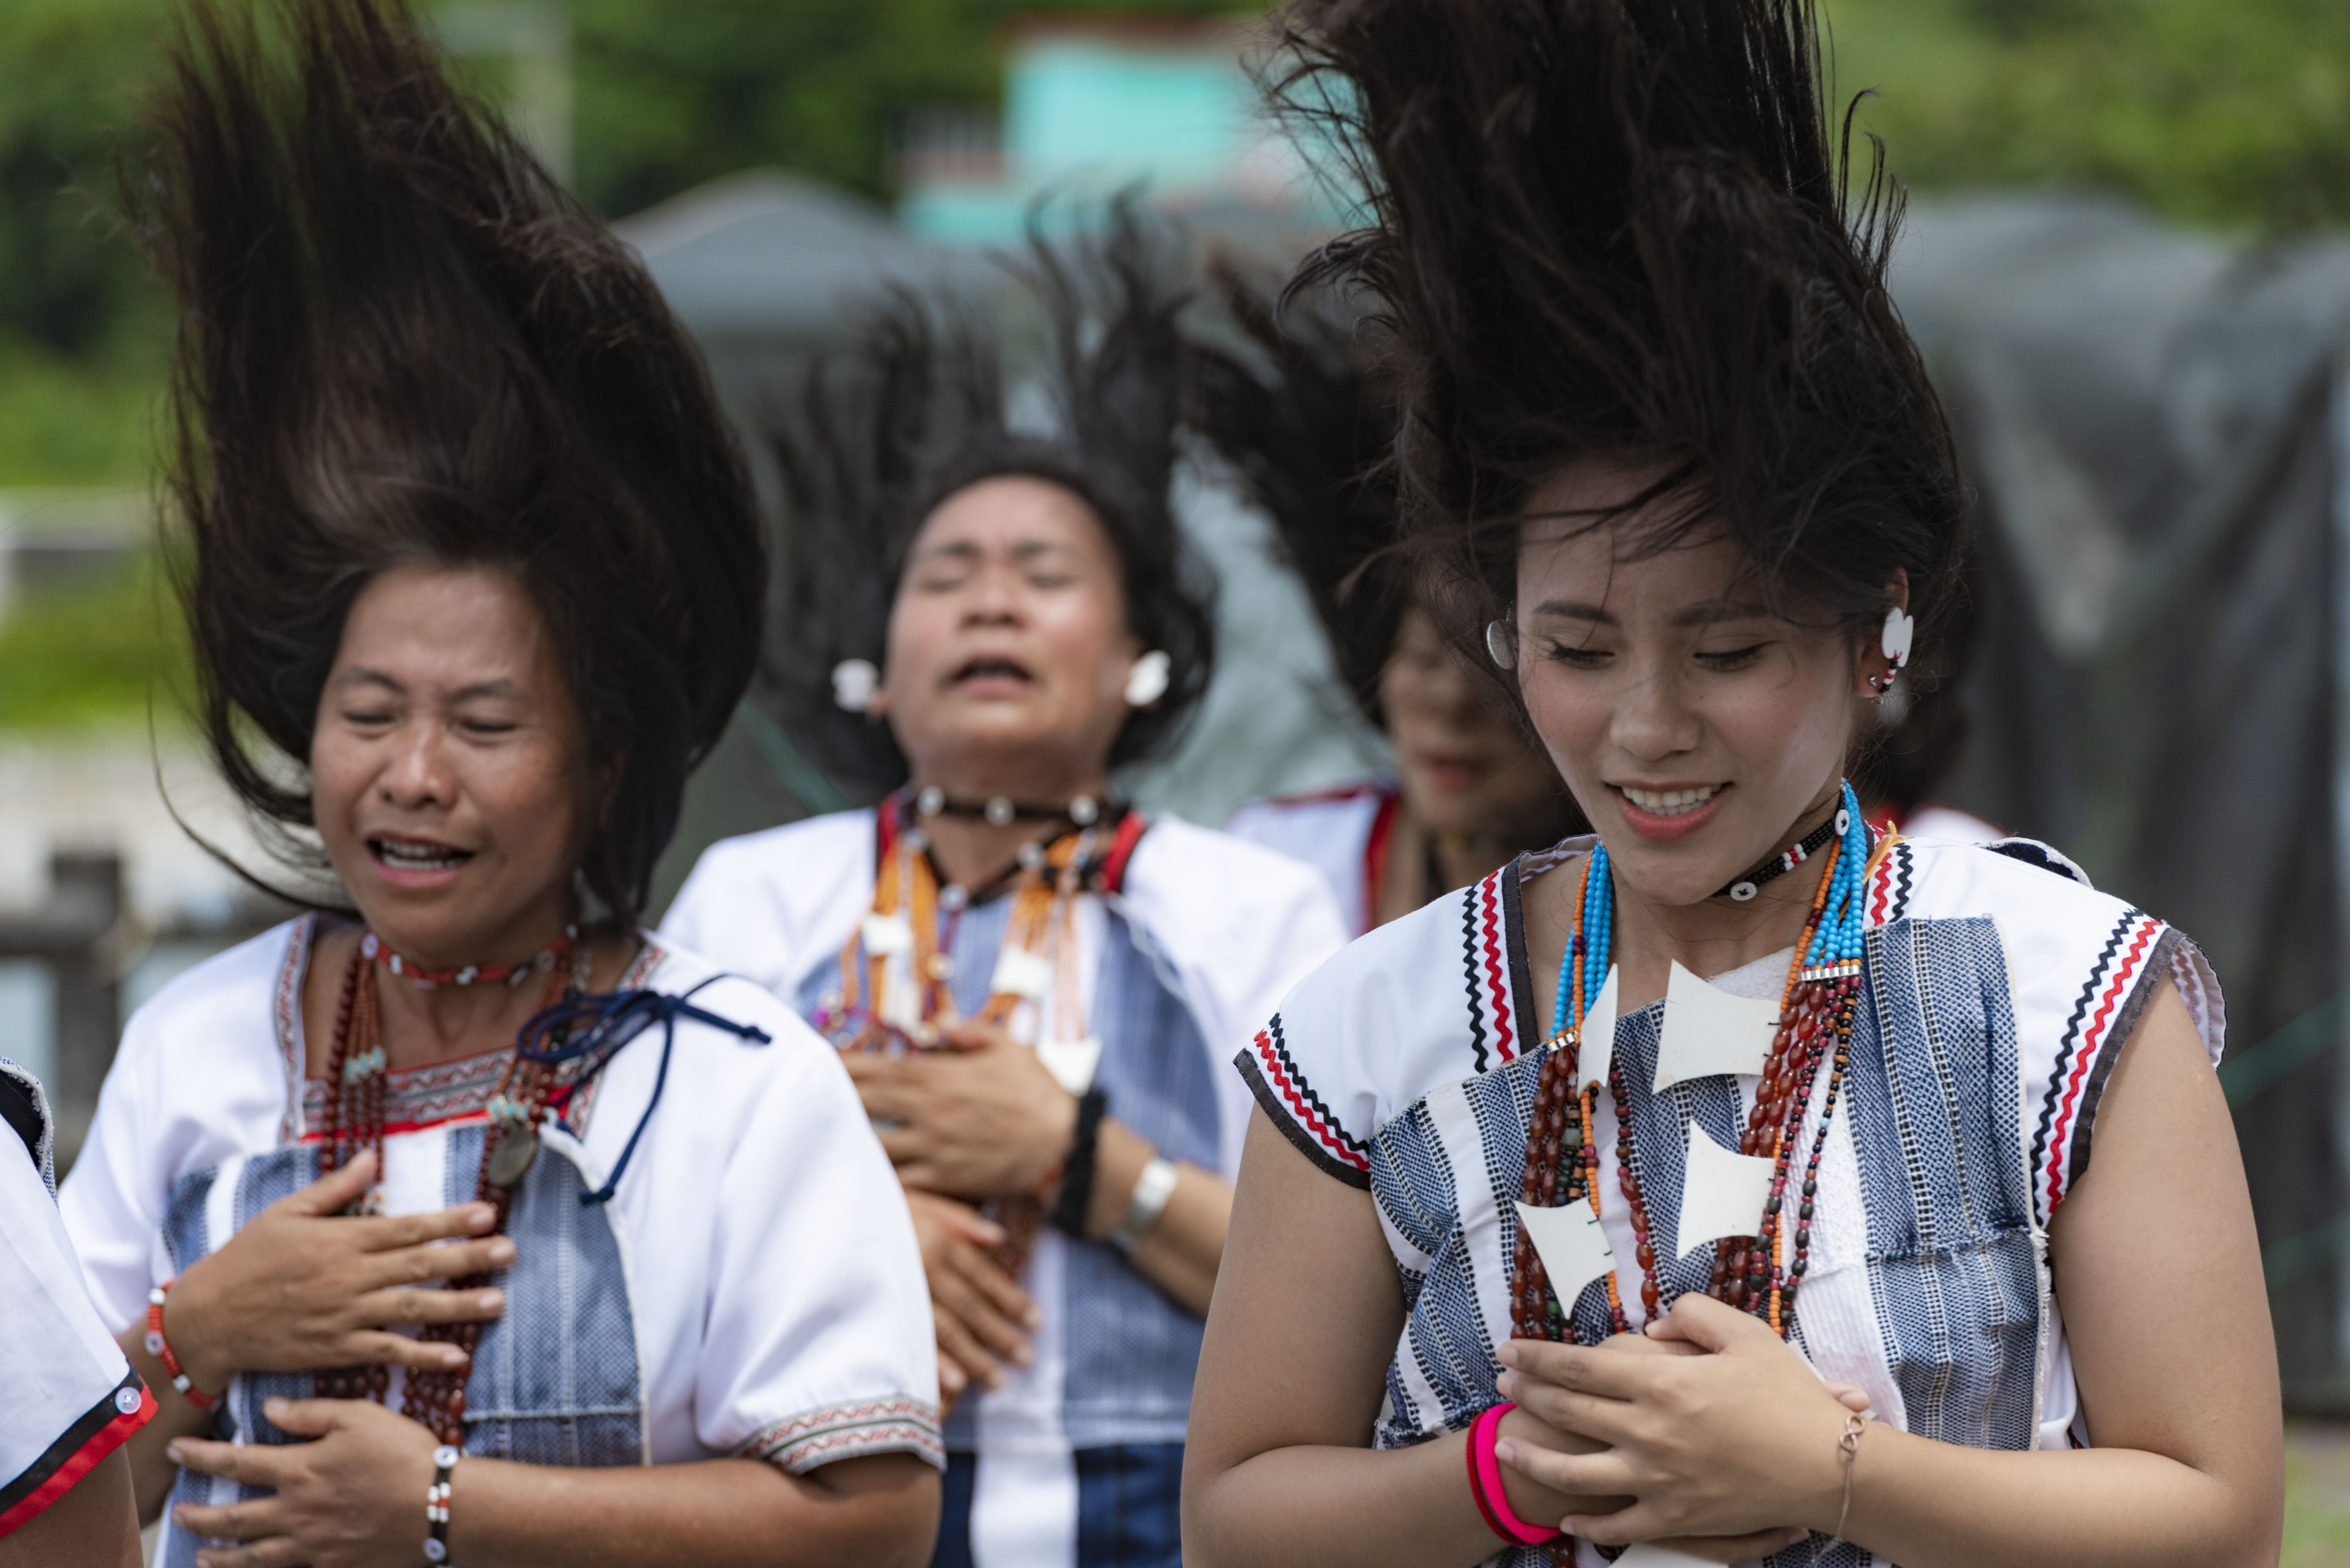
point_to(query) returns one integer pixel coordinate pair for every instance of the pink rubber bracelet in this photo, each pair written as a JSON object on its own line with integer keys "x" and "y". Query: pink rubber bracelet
{"x": 1482, "y": 1438}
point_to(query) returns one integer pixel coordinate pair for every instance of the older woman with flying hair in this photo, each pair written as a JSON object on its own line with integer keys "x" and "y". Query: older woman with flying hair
{"x": 1566, "y": 1192}
{"x": 474, "y": 580}
{"x": 1035, "y": 984}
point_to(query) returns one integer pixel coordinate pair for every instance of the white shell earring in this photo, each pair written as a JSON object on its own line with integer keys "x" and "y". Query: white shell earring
{"x": 1900, "y": 632}
{"x": 1146, "y": 682}
{"x": 854, "y": 683}
{"x": 1501, "y": 643}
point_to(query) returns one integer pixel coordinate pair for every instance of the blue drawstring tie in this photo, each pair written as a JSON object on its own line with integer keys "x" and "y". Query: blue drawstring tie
{"x": 597, "y": 1027}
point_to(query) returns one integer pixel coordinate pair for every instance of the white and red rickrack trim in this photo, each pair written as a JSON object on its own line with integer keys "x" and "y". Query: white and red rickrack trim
{"x": 801, "y": 1443}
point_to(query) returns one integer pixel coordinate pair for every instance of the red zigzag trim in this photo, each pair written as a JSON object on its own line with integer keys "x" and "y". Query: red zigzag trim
{"x": 1497, "y": 992}
{"x": 2093, "y": 1042}
{"x": 1307, "y": 1118}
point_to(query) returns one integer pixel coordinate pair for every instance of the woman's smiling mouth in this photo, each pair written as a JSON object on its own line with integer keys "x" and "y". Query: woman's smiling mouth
{"x": 416, "y": 861}
{"x": 1661, "y": 815}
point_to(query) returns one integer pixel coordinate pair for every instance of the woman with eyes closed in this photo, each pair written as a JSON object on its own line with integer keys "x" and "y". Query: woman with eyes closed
{"x": 1469, "y": 789}
{"x": 422, "y": 1208}
{"x": 1034, "y": 986}
{"x": 1719, "y": 1184}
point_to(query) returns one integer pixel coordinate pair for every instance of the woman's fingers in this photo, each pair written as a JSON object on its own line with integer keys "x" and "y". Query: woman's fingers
{"x": 957, "y": 1341}
{"x": 1602, "y": 1474}
{"x": 978, "y": 1315}
{"x": 1610, "y": 1421}
{"x": 379, "y": 1309}
{"x": 438, "y": 1261}
{"x": 388, "y": 1233}
{"x": 1610, "y": 1374}
{"x": 335, "y": 1191}
{"x": 1003, "y": 1292}
{"x": 274, "y": 1551}
{"x": 377, "y": 1347}
{"x": 965, "y": 1222}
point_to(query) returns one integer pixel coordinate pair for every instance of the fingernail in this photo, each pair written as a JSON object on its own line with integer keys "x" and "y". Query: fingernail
{"x": 1033, "y": 1317}
{"x": 1507, "y": 1355}
{"x": 502, "y": 1250}
{"x": 491, "y": 1300}
{"x": 1507, "y": 1385}
{"x": 274, "y": 1406}
{"x": 452, "y": 1359}
{"x": 1022, "y": 1356}
{"x": 483, "y": 1217}
{"x": 175, "y": 1453}
{"x": 1505, "y": 1451}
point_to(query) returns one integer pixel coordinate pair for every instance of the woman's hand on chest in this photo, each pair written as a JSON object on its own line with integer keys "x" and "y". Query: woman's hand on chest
{"x": 353, "y": 1498}
{"x": 1741, "y": 1438}
{"x": 304, "y": 1288}
{"x": 980, "y": 1119}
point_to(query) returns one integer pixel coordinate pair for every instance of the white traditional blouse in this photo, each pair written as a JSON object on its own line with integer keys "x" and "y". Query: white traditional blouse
{"x": 751, "y": 1287}
{"x": 1342, "y": 833}
{"x": 67, "y": 1397}
{"x": 1179, "y": 960}
{"x": 1998, "y": 989}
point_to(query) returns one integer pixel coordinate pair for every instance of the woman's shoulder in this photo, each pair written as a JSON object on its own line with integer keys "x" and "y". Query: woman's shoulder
{"x": 243, "y": 1001}
{"x": 756, "y": 903}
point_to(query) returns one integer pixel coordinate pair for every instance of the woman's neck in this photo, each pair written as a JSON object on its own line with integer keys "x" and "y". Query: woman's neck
{"x": 971, "y": 850}
{"x": 423, "y": 1025}
{"x": 1708, "y": 937}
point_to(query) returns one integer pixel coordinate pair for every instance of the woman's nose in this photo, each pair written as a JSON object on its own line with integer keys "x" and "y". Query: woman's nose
{"x": 1652, "y": 719}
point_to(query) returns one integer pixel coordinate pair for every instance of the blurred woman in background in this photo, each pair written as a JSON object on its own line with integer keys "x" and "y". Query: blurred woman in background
{"x": 474, "y": 580}
{"x": 1038, "y": 988}
{"x": 1301, "y": 419}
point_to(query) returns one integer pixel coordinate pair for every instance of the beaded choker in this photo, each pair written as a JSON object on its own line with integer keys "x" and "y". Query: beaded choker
{"x": 374, "y": 947}
{"x": 1002, "y": 811}
{"x": 1822, "y": 991}
{"x": 1786, "y": 860}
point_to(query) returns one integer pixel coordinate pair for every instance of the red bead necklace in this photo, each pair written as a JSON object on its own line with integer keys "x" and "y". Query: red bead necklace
{"x": 1562, "y": 1161}
{"x": 357, "y": 1070}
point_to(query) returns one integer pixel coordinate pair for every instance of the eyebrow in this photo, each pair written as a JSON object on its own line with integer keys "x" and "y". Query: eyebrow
{"x": 1694, "y": 615}
{"x": 1026, "y": 550}
{"x": 498, "y": 687}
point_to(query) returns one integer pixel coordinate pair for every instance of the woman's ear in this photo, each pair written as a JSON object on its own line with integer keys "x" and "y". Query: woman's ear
{"x": 1882, "y": 664}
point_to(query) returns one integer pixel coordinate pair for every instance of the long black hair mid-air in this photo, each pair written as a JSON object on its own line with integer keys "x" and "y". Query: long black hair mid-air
{"x": 402, "y": 342}
{"x": 920, "y": 406}
{"x": 1621, "y": 231}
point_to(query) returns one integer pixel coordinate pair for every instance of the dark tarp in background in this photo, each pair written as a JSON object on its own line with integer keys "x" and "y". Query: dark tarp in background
{"x": 2153, "y": 422}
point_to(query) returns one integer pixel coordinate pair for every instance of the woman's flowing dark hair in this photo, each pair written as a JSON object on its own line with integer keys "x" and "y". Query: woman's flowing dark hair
{"x": 1297, "y": 408}
{"x": 401, "y": 342}
{"x": 1621, "y": 230}
{"x": 915, "y": 409}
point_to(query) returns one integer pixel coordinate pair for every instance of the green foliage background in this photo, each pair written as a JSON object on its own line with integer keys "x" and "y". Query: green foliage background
{"x": 2228, "y": 113}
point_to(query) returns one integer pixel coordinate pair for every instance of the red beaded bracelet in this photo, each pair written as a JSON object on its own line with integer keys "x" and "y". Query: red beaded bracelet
{"x": 160, "y": 1349}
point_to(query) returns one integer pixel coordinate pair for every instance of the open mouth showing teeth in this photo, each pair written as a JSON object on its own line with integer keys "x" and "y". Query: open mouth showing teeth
{"x": 408, "y": 855}
{"x": 1670, "y": 802}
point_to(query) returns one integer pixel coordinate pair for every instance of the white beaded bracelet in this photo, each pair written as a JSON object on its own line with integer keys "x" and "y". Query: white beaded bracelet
{"x": 1152, "y": 1189}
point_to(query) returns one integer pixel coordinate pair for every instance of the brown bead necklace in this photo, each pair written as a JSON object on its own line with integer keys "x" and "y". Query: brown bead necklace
{"x": 357, "y": 1071}
{"x": 1756, "y": 1273}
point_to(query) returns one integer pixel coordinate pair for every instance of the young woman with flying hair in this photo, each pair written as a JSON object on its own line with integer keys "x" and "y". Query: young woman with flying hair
{"x": 1035, "y": 986}
{"x": 472, "y": 580}
{"x": 1537, "y": 1229}
{"x": 1299, "y": 417}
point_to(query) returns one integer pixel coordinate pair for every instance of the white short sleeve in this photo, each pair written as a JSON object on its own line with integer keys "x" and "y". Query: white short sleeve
{"x": 67, "y": 1397}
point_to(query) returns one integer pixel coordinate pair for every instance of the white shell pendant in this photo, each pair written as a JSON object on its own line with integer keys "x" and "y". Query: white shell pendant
{"x": 1708, "y": 1032}
{"x": 1599, "y": 1037}
{"x": 1572, "y": 1244}
{"x": 1722, "y": 1193}
{"x": 1071, "y": 1061}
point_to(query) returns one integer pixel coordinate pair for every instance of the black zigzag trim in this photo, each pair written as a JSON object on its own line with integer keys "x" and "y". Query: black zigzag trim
{"x": 2084, "y": 1116}
{"x": 1904, "y": 863}
{"x": 1469, "y": 964}
{"x": 2072, "y": 1041}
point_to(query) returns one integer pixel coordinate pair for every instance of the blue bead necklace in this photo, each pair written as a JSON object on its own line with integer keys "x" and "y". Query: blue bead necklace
{"x": 1834, "y": 949}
